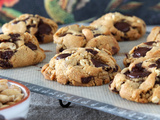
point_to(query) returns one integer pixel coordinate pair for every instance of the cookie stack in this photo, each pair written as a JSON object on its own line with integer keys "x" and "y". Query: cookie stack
{"x": 140, "y": 80}
{"x": 19, "y": 45}
{"x": 85, "y": 52}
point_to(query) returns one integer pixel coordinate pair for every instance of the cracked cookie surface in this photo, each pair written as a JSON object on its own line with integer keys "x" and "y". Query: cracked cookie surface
{"x": 85, "y": 36}
{"x": 43, "y": 28}
{"x": 140, "y": 82}
{"x": 81, "y": 67}
{"x": 18, "y": 50}
{"x": 143, "y": 51}
{"x": 123, "y": 28}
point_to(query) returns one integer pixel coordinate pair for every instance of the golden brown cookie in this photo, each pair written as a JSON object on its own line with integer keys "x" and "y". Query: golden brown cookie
{"x": 85, "y": 36}
{"x": 140, "y": 82}
{"x": 143, "y": 51}
{"x": 154, "y": 34}
{"x": 81, "y": 67}
{"x": 43, "y": 28}
{"x": 19, "y": 49}
{"x": 122, "y": 27}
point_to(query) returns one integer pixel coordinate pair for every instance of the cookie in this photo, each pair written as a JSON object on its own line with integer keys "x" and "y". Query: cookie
{"x": 154, "y": 34}
{"x": 43, "y": 28}
{"x": 140, "y": 82}
{"x": 18, "y": 50}
{"x": 85, "y": 36}
{"x": 122, "y": 27}
{"x": 143, "y": 51}
{"x": 81, "y": 67}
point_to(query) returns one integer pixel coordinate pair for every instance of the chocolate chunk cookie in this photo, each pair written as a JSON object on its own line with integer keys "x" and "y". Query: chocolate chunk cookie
{"x": 123, "y": 28}
{"x": 42, "y": 28}
{"x": 143, "y": 51}
{"x": 19, "y": 49}
{"x": 154, "y": 34}
{"x": 85, "y": 36}
{"x": 140, "y": 82}
{"x": 81, "y": 67}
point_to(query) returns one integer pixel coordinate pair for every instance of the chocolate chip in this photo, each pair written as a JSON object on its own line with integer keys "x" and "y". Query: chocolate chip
{"x": 14, "y": 37}
{"x": 94, "y": 52}
{"x": 122, "y": 26}
{"x": 96, "y": 35}
{"x": 43, "y": 28}
{"x": 115, "y": 69}
{"x": 64, "y": 55}
{"x": 124, "y": 39}
{"x": 6, "y": 55}
{"x": 5, "y": 64}
{"x": 29, "y": 26}
{"x": 31, "y": 46}
{"x": 97, "y": 63}
{"x": 60, "y": 50}
{"x": 140, "y": 52}
{"x": 137, "y": 72}
{"x": 86, "y": 80}
{"x": 150, "y": 43}
{"x": 152, "y": 65}
{"x": 114, "y": 50}
{"x": 158, "y": 63}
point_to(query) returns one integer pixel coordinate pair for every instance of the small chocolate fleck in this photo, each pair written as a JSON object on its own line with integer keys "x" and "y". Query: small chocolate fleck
{"x": 29, "y": 26}
{"x": 122, "y": 26}
{"x": 115, "y": 69}
{"x": 61, "y": 49}
{"x": 6, "y": 55}
{"x": 31, "y": 46}
{"x": 64, "y": 55}
{"x": 124, "y": 38}
{"x": 86, "y": 80}
{"x": 94, "y": 52}
{"x": 150, "y": 43}
{"x": 140, "y": 52}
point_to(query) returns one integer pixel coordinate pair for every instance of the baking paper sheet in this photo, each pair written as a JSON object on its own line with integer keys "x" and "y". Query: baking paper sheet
{"x": 102, "y": 94}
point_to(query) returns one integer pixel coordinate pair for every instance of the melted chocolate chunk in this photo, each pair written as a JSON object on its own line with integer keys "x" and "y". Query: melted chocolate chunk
{"x": 152, "y": 65}
{"x": 158, "y": 63}
{"x": 31, "y": 46}
{"x": 86, "y": 80}
{"x": 140, "y": 52}
{"x": 14, "y": 37}
{"x": 114, "y": 49}
{"x": 64, "y": 55}
{"x": 122, "y": 26}
{"x": 97, "y": 63}
{"x": 42, "y": 29}
{"x": 150, "y": 43}
{"x": 115, "y": 69}
{"x": 29, "y": 26}
{"x": 60, "y": 50}
{"x": 6, "y": 55}
{"x": 137, "y": 72}
{"x": 94, "y": 52}
{"x": 5, "y": 64}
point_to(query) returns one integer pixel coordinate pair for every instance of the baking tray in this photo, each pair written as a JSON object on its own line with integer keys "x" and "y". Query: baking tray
{"x": 98, "y": 97}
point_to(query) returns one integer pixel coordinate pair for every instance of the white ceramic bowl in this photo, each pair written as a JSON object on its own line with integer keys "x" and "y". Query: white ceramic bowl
{"x": 21, "y": 108}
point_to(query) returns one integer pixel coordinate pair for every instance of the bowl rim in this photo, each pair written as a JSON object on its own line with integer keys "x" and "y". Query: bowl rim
{"x": 21, "y": 101}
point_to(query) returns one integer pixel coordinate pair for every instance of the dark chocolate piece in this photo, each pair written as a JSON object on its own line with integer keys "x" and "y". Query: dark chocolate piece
{"x": 64, "y": 55}
{"x": 86, "y": 80}
{"x": 31, "y": 46}
{"x": 122, "y": 26}
{"x": 94, "y": 52}
{"x": 140, "y": 52}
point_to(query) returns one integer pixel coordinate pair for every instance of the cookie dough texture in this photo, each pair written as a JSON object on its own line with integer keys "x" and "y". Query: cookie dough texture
{"x": 18, "y": 50}
{"x": 43, "y": 28}
{"x": 122, "y": 27}
{"x": 81, "y": 67}
{"x": 154, "y": 34}
{"x": 140, "y": 82}
{"x": 143, "y": 51}
{"x": 85, "y": 36}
